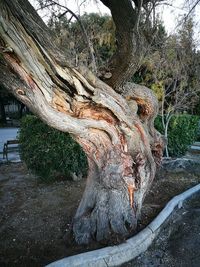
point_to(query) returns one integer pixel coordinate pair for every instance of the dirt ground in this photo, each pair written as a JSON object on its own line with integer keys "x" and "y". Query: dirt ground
{"x": 35, "y": 218}
{"x": 178, "y": 243}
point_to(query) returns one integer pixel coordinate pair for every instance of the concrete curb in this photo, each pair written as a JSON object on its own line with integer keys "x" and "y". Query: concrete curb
{"x": 116, "y": 255}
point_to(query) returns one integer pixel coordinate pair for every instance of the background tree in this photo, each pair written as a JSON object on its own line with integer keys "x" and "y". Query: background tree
{"x": 69, "y": 37}
{"x": 117, "y": 135}
{"x": 133, "y": 37}
{"x": 58, "y": 11}
{"x": 171, "y": 71}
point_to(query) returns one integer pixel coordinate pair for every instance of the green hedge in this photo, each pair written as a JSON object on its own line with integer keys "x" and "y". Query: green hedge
{"x": 182, "y": 132}
{"x": 50, "y": 153}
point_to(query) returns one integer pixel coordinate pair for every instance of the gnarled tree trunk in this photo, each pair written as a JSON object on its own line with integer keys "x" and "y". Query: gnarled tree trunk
{"x": 116, "y": 132}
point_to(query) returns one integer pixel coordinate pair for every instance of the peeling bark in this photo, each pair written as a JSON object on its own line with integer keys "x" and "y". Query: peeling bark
{"x": 116, "y": 132}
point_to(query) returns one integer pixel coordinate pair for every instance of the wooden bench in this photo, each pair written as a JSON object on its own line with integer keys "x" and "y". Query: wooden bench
{"x": 10, "y": 146}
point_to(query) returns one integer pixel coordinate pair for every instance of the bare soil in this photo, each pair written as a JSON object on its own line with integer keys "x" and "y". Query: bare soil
{"x": 35, "y": 218}
{"x": 178, "y": 243}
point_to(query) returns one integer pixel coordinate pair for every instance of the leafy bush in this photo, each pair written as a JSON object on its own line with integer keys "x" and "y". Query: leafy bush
{"x": 182, "y": 132}
{"x": 48, "y": 152}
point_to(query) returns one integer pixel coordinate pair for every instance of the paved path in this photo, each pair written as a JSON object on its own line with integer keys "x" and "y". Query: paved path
{"x": 194, "y": 151}
{"x": 8, "y": 134}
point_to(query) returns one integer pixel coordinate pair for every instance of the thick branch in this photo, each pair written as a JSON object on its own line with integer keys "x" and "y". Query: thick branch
{"x": 41, "y": 72}
{"x": 127, "y": 58}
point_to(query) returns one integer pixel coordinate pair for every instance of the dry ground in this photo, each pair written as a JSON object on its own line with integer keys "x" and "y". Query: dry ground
{"x": 35, "y": 218}
{"x": 178, "y": 243}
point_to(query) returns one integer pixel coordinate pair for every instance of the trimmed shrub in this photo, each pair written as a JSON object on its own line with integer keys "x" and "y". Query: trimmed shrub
{"x": 182, "y": 132}
{"x": 48, "y": 152}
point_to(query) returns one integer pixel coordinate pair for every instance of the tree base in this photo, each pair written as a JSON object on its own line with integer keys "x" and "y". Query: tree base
{"x": 110, "y": 219}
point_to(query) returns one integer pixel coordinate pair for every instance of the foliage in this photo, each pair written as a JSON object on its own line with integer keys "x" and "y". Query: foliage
{"x": 182, "y": 132}
{"x": 48, "y": 152}
{"x": 70, "y": 37}
{"x": 172, "y": 71}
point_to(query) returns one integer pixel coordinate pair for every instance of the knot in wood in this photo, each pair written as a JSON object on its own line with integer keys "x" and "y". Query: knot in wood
{"x": 107, "y": 75}
{"x": 20, "y": 92}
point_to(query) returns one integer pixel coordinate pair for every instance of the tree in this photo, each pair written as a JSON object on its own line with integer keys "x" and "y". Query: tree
{"x": 133, "y": 38}
{"x": 181, "y": 91}
{"x": 69, "y": 37}
{"x": 51, "y": 3}
{"x": 171, "y": 71}
{"x": 116, "y": 132}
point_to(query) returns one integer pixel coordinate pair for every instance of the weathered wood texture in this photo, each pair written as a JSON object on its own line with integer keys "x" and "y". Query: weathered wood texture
{"x": 116, "y": 132}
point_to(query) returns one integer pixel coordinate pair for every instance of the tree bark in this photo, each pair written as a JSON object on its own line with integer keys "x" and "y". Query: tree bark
{"x": 116, "y": 132}
{"x": 130, "y": 43}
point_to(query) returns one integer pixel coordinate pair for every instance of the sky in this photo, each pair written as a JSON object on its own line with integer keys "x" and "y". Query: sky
{"x": 170, "y": 14}
{"x": 80, "y": 6}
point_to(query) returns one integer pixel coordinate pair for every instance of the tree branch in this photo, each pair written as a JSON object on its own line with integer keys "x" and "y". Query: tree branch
{"x": 124, "y": 61}
{"x": 87, "y": 39}
{"x": 193, "y": 7}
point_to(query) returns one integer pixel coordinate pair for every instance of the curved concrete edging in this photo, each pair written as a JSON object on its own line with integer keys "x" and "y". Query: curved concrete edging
{"x": 116, "y": 255}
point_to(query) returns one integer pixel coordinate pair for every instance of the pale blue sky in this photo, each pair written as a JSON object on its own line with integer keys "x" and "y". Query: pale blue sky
{"x": 171, "y": 15}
